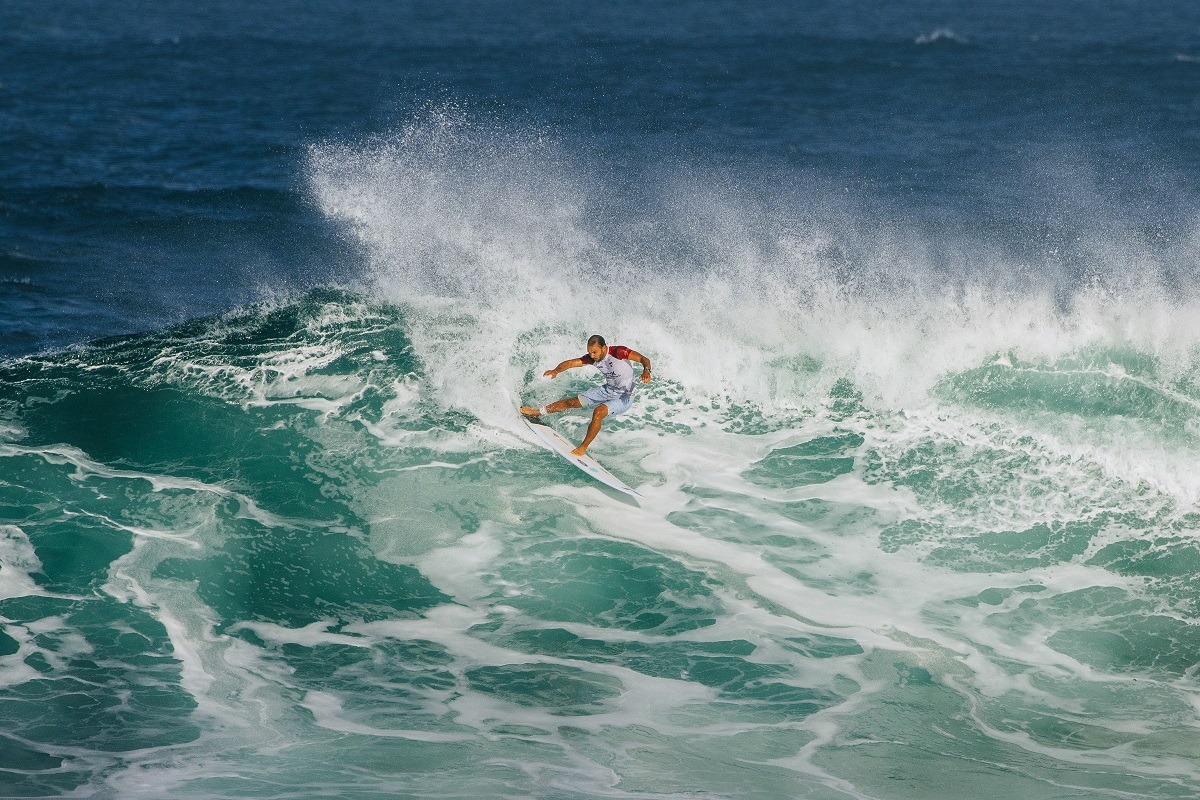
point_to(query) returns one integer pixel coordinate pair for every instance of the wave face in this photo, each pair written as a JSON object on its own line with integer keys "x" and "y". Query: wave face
{"x": 903, "y": 537}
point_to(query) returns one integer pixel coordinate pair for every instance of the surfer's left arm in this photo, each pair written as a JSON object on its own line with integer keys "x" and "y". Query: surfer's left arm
{"x": 634, "y": 355}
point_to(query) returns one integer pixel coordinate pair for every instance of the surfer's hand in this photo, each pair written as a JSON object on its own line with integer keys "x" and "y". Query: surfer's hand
{"x": 550, "y": 373}
{"x": 645, "y": 376}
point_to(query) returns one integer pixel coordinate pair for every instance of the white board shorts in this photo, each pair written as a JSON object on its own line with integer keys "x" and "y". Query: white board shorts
{"x": 602, "y": 395}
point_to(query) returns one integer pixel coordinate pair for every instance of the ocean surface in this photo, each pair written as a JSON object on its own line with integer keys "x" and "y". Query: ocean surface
{"x": 921, "y": 514}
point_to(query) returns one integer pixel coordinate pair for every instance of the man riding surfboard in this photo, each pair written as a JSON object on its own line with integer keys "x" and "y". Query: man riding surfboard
{"x": 614, "y": 396}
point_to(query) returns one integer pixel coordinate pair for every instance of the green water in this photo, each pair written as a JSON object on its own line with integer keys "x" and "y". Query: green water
{"x": 264, "y": 555}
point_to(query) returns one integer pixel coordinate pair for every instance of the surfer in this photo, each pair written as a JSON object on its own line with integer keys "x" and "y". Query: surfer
{"x": 614, "y": 396}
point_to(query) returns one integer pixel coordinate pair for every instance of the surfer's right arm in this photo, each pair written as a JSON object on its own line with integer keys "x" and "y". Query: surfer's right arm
{"x": 563, "y": 367}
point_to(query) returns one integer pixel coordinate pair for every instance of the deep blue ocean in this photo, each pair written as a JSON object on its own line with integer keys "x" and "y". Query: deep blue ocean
{"x": 921, "y": 504}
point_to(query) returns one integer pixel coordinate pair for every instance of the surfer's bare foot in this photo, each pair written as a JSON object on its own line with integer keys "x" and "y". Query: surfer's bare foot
{"x": 580, "y": 451}
{"x": 530, "y": 411}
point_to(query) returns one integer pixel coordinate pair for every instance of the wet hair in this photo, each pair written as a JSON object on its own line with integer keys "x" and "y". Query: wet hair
{"x": 596, "y": 339}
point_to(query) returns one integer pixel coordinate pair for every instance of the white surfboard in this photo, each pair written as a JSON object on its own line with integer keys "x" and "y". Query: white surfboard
{"x": 555, "y": 441}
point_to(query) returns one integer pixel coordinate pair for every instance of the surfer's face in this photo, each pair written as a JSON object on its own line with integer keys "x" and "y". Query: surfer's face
{"x": 597, "y": 351}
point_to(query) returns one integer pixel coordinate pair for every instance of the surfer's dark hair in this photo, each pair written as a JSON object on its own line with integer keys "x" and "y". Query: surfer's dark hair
{"x": 597, "y": 339}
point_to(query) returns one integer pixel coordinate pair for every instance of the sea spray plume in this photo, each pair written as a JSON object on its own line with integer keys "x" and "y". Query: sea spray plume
{"x": 502, "y": 224}
{"x": 446, "y": 208}
{"x": 499, "y": 242}
{"x": 476, "y": 232}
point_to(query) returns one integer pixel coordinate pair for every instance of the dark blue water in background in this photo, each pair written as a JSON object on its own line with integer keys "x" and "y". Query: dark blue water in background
{"x": 153, "y": 152}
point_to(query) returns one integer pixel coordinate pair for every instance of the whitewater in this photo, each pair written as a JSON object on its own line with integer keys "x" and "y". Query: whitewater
{"x": 907, "y": 531}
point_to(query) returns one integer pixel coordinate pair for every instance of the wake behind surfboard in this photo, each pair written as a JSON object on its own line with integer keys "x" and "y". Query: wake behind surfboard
{"x": 555, "y": 441}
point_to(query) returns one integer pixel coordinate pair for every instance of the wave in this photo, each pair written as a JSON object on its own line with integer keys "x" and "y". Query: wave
{"x": 940, "y": 35}
{"x": 886, "y": 508}
{"x": 500, "y": 242}
{"x": 309, "y": 504}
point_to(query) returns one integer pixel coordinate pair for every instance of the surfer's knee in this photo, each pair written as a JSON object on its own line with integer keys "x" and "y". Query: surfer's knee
{"x": 600, "y": 412}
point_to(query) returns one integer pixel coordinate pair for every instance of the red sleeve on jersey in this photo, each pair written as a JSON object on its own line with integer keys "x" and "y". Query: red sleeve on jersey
{"x": 619, "y": 351}
{"x": 585, "y": 358}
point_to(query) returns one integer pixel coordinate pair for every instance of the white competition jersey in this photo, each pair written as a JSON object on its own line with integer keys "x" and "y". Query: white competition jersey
{"x": 616, "y": 369}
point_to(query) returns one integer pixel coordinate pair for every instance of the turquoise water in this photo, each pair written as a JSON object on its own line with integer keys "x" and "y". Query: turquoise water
{"x": 289, "y": 551}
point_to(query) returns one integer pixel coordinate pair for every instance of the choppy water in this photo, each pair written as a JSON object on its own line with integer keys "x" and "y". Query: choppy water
{"x": 919, "y": 458}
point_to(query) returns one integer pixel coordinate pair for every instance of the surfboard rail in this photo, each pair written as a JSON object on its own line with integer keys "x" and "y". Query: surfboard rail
{"x": 555, "y": 441}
